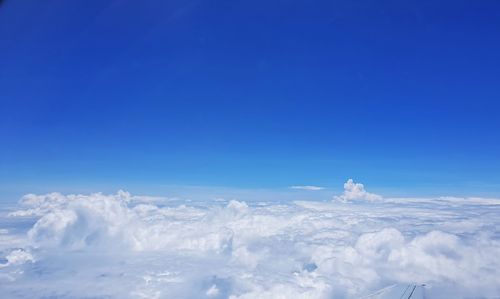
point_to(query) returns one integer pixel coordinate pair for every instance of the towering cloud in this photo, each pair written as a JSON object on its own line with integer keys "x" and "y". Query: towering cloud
{"x": 356, "y": 192}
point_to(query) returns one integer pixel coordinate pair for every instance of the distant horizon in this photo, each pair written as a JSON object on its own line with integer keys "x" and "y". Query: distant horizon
{"x": 280, "y": 193}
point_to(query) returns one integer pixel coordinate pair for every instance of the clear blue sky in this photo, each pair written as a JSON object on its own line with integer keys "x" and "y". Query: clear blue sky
{"x": 403, "y": 96}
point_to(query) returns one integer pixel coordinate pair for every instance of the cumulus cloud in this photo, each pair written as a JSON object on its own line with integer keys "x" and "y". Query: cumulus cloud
{"x": 16, "y": 257}
{"x": 58, "y": 245}
{"x": 356, "y": 192}
{"x": 307, "y": 187}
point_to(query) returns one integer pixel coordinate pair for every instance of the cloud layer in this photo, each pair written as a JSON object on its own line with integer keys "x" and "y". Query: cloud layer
{"x": 123, "y": 246}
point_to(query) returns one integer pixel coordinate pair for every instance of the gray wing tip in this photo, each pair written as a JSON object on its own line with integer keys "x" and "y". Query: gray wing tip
{"x": 399, "y": 291}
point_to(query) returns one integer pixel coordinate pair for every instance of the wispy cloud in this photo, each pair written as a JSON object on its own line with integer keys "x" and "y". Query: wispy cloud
{"x": 308, "y": 188}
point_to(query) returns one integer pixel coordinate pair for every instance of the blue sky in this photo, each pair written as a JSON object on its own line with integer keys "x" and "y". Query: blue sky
{"x": 155, "y": 95}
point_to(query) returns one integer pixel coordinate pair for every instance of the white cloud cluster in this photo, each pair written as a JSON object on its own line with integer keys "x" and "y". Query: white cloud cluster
{"x": 109, "y": 246}
{"x": 356, "y": 192}
{"x": 16, "y": 257}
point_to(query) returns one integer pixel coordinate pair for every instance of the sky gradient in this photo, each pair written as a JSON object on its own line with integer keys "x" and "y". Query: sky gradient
{"x": 152, "y": 96}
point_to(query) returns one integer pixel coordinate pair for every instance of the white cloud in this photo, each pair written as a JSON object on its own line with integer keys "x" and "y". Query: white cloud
{"x": 213, "y": 291}
{"x": 307, "y": 187}
{"x": 16, "y": 257}
{"x": 126, "y": 248}
{"x": 356, "y": 192}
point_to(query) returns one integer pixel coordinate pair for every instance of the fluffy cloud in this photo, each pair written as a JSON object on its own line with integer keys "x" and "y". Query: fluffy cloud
{"x": 109, "y": 246}
{"x": 16, "y": 257}
{"x": 356, "y": 192}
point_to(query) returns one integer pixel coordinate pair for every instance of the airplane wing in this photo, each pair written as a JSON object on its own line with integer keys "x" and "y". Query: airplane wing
{"x": 400, "y": 291}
